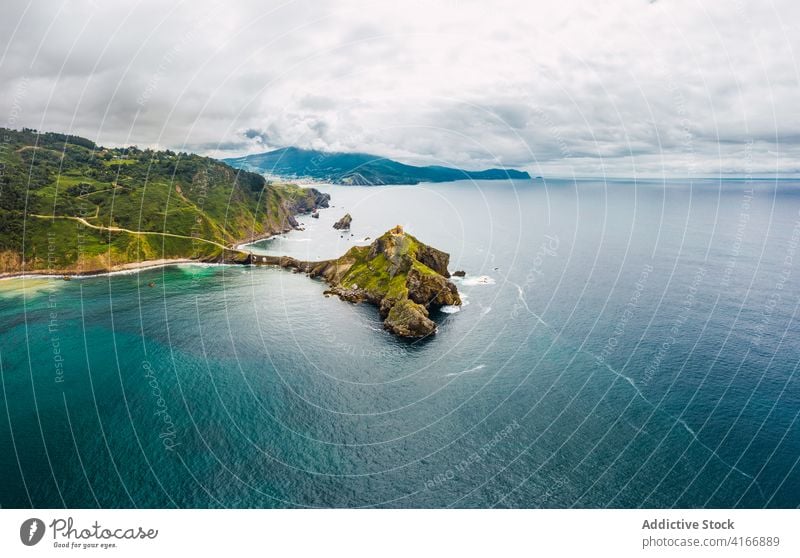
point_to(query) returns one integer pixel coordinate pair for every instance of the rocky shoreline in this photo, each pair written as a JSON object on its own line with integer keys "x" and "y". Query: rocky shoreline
{"x": 401, "y": 276}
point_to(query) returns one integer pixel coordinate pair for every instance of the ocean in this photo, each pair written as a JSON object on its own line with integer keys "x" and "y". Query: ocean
{"x": 622, "y": 344}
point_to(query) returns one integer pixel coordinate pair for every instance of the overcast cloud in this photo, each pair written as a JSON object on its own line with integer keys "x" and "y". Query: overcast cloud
{"x": 585, "y": 87}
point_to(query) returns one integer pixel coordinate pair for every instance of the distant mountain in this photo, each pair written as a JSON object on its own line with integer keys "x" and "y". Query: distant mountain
{"x": 357, "y": 168}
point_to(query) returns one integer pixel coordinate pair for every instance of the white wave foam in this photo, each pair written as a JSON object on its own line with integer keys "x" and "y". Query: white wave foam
{"x": 467, "y": 371}
{"x": 30, "y": 276}
{"x": 479, "y": 280}
{"x": 138, "y": 270}
{"x": 450, "y": 309}
{"x": 207, "y": 264}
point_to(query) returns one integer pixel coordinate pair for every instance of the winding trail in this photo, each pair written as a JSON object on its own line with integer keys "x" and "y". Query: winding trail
{"x": 129, "y": 231}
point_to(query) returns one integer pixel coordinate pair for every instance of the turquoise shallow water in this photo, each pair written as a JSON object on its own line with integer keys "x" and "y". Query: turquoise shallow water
{"x": 624, "y": 344}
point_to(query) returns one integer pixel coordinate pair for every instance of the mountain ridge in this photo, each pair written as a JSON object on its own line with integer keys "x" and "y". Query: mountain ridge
{"x": 361, "y": 169}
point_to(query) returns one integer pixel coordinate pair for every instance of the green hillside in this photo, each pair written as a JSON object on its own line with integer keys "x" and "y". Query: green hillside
{"x": 67, "y": 204}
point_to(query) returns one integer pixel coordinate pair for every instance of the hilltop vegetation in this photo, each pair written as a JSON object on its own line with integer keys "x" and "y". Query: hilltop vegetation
{"x": 67, "y": 204}
{"x": 358, "y": 168}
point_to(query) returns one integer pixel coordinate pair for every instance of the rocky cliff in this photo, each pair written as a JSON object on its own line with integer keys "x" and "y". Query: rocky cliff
{"x": 397, "y": 273}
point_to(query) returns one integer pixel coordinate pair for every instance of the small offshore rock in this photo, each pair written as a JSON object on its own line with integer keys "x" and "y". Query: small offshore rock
{"x": 343, "y": 223}
{"x": 409, "y": 319}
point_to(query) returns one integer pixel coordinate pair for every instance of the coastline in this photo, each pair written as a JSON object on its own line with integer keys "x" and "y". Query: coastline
{"x": 242, "y": 245}
{"x": 135, "y": 267}
{"x": 257, "y": 238}
{"x": 132, "y": 267}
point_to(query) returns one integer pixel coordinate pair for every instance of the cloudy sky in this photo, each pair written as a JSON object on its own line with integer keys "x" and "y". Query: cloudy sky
{"x": 686, "y": 87}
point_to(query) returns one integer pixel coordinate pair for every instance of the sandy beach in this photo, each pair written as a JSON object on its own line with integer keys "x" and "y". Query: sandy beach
{"x": 134, "y": 266}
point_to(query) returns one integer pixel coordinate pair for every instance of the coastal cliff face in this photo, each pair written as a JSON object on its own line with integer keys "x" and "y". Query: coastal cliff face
{"x": 277, "y": 214}
{"x": 397, "y": 273}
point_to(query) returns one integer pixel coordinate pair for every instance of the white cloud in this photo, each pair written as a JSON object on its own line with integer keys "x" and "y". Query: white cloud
{"x": 578, "y": 87}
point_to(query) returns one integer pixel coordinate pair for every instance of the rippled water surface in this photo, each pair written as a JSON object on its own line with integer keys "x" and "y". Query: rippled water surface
{"x": 622, "y": 344}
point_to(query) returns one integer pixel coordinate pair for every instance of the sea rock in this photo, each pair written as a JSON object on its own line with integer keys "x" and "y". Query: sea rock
{"x": 343, "y": 223}
{"x": 459, "y": 273}
{"x": 409, "y": 319}
{"x": 315, "y": 215}
{"x": 391, "y": 274}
